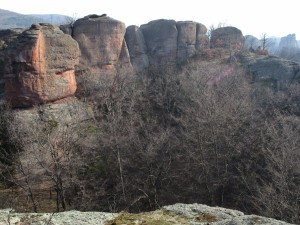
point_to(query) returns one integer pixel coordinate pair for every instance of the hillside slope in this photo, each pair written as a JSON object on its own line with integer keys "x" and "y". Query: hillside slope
{"x": 10, "y": 19}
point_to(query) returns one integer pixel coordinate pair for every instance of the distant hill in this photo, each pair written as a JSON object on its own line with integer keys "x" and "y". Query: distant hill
{"x": 53, "y": 18}
{"x": 10, "y": 19}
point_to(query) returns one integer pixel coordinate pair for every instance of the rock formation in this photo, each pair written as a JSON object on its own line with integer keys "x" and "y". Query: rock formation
{"x": 202, "y": 40}
{"x": 40, "y": 66}
{"x": 227, "y": 37}
{"x": 6, "y": 37}
{"x": 67, "y": 28}
{"x": 251, "y": 43}
{"x": 186, "y": 41}
{"x": 172, "y": 214}
{"x": 158, "y": 42}
{"x": 273, "y": 71}
{"x": 168, "y": 41}
{"x": 288, "y": 47}
{"x": 161, "y": 41}
{"x": 288, "y": 41}
{"x": 101, "y": 41}
{"x": 191, "y": 38}
{"x": 137, "y": 48}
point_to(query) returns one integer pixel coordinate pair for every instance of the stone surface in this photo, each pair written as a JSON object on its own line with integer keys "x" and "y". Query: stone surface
{"x": 171, "y": 42}
{"x": 6, "y": 37}
{"x": 137, "y": 48}
{"x": 186, "y": 41}
{"x": 288, "y": 47}
{"x": 161, "y": 41}
{"x": 67, "y": 28}
{"x": 202, "y": 214}
{"x": 288, "y": 41}
{"x": 227, "y": 37}
{"x": 101, "y": 41}
{"x": 272, "y": 70}
{"x": 40, "y": 66}
{"x": 251, "y": 43}
{"x": 178, "y": 214}
{"x": 202, "y": 40}
{"x": 124, "y": 66}
{"x": 64, "y": 218}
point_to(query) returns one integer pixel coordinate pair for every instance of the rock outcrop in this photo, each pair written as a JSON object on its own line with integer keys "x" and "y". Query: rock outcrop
{"x": 251, "y": 43}
{"x": 186, "y": 41}
{"x": 272, "y": 71}
{"x": 170, "y": 42}
{"x": 6, "y": 37}
{"x": 137, "y": 48}
{"x": 227, "y": 37}
{"x": 67, "y": 28}
{"x": 191, "y": 38}
{"x": 161, "y": 41}
{"x": 40, "y": 66}
{"x": 101, "y": 41}
{"x": 202, "y": 40}
{"x": 288, "y": 41}
{"x": 174, "y": 214}
{"x": 288, "y": 47}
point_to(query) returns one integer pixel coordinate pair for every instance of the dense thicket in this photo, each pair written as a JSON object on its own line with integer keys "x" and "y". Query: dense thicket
{"x": 203, "y": 133}
{"x": 200, "y": 133}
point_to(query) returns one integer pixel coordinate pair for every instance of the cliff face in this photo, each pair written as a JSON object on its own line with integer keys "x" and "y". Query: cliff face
{"x": 272, "y": 71}
{"x": 168, "y": 41}
{"x": 288, "y": 47}
{"x": 227, "y": 37}
{"x": 6, "y": 37}
{"x": 39, "y": 66}
{"x": 137, "y": 48}
{"x": 251, "y": 43}
{"x": 101, "y": 41}
{"x": 40, "y": 63}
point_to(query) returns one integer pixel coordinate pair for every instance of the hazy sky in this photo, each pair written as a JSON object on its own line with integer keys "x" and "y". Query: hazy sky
{"x": 275, "y": 18}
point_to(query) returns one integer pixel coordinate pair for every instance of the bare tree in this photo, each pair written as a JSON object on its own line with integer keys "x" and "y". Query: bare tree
{"x": 70, "y": 20}
{"x": 14, "y": 171}
{"x": 266, "y": 43}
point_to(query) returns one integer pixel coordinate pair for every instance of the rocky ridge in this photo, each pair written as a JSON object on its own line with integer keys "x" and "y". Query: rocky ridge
{"x": 195, "y": 214}
{"x": 41, "y": 62}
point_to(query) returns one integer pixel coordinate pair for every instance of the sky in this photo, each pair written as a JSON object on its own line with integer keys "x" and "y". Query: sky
{"x": 274, "y": 18}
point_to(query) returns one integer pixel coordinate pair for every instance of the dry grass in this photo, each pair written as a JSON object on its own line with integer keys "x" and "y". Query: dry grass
{"x": 149, "y": 218}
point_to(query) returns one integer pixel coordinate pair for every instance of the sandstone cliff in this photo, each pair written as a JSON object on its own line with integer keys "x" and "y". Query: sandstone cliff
{"x": 168, "y": 41}
{"x": 137, "y": 48}
{"x": 39, "y": 66}
{"x": 101, "y": 41}
{"x": 227, "y": 37}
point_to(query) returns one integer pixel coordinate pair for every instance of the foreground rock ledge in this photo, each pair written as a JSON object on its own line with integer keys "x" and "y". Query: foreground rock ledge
{"x": 195, "y": 214}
